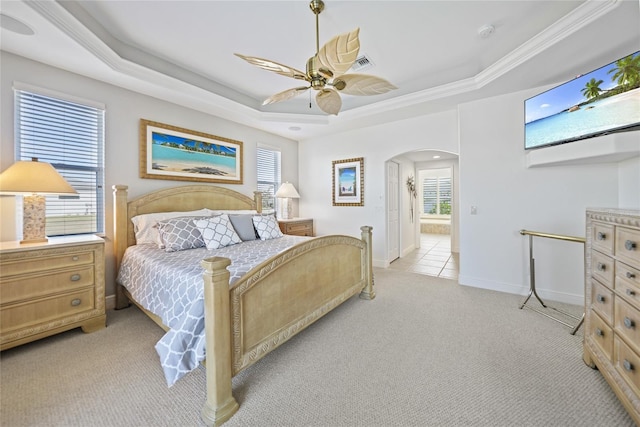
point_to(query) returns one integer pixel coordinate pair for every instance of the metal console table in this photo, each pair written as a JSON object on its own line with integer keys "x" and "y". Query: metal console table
{"x": 532, "y": 282}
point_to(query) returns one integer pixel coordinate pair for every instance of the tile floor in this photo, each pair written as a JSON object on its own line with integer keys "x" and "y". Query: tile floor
{"x": 433, "y": 258}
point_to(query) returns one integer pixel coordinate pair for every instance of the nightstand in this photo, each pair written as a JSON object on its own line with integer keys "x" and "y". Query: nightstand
{"x": 51, "y": 287}
{"x": 296, "y": 226}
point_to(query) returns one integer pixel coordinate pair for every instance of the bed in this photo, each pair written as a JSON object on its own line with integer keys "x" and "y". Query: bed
{"x": 267, "y": 305}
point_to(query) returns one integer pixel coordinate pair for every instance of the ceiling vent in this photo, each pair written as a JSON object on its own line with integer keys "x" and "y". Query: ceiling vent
{"x": 362, "y": 63}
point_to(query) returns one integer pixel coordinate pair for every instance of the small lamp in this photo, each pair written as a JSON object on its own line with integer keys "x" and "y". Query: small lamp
{"x": 287, "y": 192}
{"x": 33, "y": 180}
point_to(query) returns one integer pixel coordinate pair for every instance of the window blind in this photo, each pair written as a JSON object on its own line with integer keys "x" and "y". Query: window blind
{"x": 269, "y": 177}
{"x": 70, "y": 136}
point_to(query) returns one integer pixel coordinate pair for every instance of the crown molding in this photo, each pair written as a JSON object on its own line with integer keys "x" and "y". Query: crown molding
{"x": 155, "y": 83}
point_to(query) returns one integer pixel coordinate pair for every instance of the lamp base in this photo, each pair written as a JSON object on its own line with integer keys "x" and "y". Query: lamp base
{"x": 34, "y": 219}
{"x": 286, "y": 208}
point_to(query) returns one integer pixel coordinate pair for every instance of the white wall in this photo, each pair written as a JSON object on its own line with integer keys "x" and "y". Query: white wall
{"x": 376, "y": 144}
{"x": 509, "y": 197}
{"x": 629, "y": 178}
{"x": 124, "y": 109}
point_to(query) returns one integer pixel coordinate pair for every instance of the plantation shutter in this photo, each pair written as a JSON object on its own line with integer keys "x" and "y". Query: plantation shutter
{"x": 70, "y": 136}
{"x": 268, "y": 165}
{"x": 430, "y": 195}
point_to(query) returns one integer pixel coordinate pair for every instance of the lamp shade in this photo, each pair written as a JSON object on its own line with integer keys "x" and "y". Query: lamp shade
{"x": 287, "y": 190}
{"x": 33, "y": 177}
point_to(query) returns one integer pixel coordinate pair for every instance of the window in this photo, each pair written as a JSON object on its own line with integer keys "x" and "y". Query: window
{"x": 70, "y": 136}
{"x": 436, "y": 192}
{"x": 268, "y": 165}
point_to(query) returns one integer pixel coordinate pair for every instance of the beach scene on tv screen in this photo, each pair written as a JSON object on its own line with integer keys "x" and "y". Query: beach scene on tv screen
{"x": 604, "y": 100}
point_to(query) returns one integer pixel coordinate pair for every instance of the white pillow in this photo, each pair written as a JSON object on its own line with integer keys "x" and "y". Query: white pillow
{"x": 145, "y": 225}
{"x": 230, "y": 211}
{"x": 217, "y": 231}
{"x": 267, "y": 227}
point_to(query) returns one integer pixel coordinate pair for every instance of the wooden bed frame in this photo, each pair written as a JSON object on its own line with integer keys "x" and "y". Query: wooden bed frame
{"x": 267, "y": 306}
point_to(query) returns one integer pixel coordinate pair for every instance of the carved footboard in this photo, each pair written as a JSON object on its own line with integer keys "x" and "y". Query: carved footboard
{"x": 272, "y": 303}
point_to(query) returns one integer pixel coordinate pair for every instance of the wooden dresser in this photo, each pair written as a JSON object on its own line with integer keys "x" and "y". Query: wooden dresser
{"x": 612, "y": 302}
{"x": 297, "y": 226}
{"x": 47, "y": 288}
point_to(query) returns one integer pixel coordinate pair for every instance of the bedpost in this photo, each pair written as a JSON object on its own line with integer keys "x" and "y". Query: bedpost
{"x": 220, "y": 404}
{"x": 367, "y": 291}
{"x": 257, "y": 198}
{"x": 120, "y": 236}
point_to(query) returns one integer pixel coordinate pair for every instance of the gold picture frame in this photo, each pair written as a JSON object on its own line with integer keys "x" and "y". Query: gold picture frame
{"x": 348, "y": 182}
{"x": 174, "y": 153}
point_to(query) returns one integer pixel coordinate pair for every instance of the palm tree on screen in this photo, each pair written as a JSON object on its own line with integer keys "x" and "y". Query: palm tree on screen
{"x": 592, "y": 88}
{"x": 627, "y": 71}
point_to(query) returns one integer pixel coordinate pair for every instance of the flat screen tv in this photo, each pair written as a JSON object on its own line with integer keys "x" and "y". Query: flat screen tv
{"x": 604, "y": 101}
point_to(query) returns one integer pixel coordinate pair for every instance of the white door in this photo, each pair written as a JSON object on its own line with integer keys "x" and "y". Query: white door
{"x": 393, "y": 211}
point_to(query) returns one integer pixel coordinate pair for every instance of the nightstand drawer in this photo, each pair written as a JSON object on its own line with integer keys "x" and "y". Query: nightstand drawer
{"x": 45, "y": 283}
{"x": 23, "y": 315}
{"x": 22, "y": 266}
{"x": 302, "y": 227}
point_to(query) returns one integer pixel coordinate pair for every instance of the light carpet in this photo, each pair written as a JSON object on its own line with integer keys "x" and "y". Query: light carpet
{"x": 425, "y": 352}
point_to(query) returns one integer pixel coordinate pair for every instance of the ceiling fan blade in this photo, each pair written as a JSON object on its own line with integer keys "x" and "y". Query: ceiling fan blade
{"x": 329, "y": 101}
{"x": 268, "y": 65}
{"x": 363, "y": 84}
{"x": 339, "y": 53}
{"x": 284, "y": 95}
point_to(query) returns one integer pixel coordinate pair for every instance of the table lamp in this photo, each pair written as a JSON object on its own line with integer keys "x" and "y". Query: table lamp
{"x": 287, "y": 192}
{"x": 33, "y": 180}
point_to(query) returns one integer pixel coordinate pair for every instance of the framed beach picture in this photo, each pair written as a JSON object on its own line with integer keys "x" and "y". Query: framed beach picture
{"x": 348, "y": 182}
{"x": 170, "y": 152}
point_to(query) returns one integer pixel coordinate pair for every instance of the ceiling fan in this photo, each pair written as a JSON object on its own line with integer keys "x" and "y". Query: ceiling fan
{"x": 326, "y": 71}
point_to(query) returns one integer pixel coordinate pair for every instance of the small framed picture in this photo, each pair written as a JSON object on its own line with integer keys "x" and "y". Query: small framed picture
{"x": 170, "y": 152}
{"x": 348, "y": 182}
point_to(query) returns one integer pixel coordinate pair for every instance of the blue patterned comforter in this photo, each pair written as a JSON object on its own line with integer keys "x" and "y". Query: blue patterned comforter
{"x": 170, "y": 285}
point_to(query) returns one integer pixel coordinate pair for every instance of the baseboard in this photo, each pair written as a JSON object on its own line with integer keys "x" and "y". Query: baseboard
{"x": 545, "y": 294}
{"x": 110, "y": 302}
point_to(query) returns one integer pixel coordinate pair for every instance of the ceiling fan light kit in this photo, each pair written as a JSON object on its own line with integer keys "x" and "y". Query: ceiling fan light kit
{"x": 325, "y": 71}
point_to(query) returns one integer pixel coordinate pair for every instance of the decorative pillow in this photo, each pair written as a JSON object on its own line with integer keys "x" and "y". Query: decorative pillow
{"x": 145, "y": 225}
{"x": 179, "y": 234}
{"x": 267, "y": 227}
{"x": 243, "y": 224}
{"x": 217, "y": 231}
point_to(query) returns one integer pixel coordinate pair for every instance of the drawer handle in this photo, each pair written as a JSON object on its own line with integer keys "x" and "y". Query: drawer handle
{"x": 630, "y": 275}
{"x": 601, "y": 235}
{"x": 75, "y": 277}
{"x": 599, "y": 332}
{"x": 600, "y": 298}
{"x": 75, "y": 258}
{"x": 631, "y": 292}
{"x": 630, "y": 246}
{"x": 76, "y": 302}
{"x": 628, "y": 365}
{"x": 601, "y": 266}
{"x": 629, "y": 323}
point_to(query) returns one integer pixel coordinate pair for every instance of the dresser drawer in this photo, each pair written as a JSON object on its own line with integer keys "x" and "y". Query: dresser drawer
{"x": 628, "y": 283}
{"x": 627, "y": 322}
{"x": 21, "y": 315}
{"x": 627, "y": 363}
{"x": 602, "y": 268}
{"x": 601, "y": 334}
{"x": 12, "y": 267}
{"x": 45, "y": 283}
{"x": 628, "y": 245}
{"x": 602, "y": 301}
{"x": 602, "y": 237}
